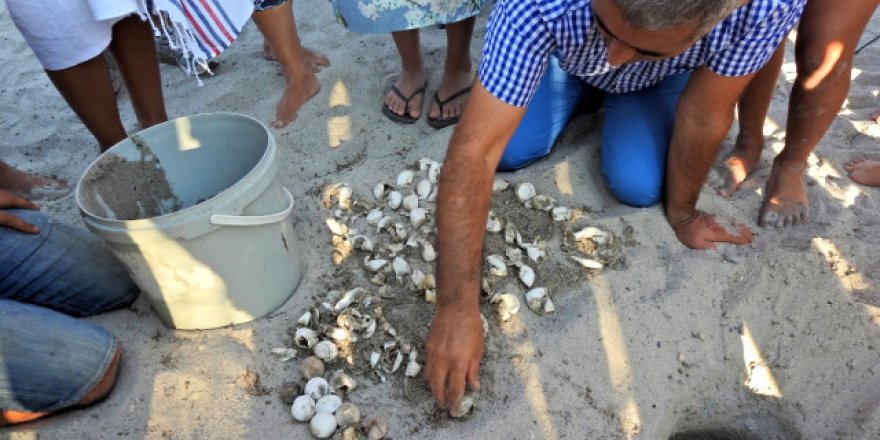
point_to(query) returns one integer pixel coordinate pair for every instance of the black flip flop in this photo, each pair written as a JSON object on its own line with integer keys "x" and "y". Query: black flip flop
{"x": 439, "y": 123}
{"x": 405, "y": 118}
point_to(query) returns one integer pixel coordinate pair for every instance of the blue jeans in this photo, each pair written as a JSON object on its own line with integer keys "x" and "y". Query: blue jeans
{"x": 49, "y": 360}
{"x": 635, "y": 138}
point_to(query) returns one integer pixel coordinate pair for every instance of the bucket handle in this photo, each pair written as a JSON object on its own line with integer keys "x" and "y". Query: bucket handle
{"x": 254, "y": 220}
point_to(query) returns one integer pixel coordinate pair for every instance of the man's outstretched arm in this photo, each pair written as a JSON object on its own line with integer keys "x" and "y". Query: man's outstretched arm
{"x": 455, "y": 339}
{"x": 704, "y": 114}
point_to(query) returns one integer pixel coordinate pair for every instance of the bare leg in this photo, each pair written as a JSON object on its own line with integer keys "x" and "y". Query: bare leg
{"x": 100, "y": 390}
{"x": 752, "y": 111}
{"x": 411, "y": 78}
{"x": 30, "y": 186}
{"x": 87, "y": 89}
{"x": 134, "y": 50}
{"x": 863, "y": 171}
{"x": 279, "y": 29}
{"x": 827, "y": 38}
{"x": 457, "y": 71}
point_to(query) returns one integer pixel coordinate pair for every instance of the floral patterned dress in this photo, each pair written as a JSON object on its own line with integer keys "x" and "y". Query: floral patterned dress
{"x": 382, "y": 16}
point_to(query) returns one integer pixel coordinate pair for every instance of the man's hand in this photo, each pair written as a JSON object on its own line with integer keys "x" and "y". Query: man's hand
{"x": 702, "y": 231}
{"x": 455, "y": 341}
{"x": 455, "y": 348}
{"x": 7, "y": 220}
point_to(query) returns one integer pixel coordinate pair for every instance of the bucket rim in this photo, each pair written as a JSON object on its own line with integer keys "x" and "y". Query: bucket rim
{"x": 265, "y": 161}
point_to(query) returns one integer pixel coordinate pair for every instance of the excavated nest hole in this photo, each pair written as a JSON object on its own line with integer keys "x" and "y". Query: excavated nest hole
{"x": 756, "y": 427}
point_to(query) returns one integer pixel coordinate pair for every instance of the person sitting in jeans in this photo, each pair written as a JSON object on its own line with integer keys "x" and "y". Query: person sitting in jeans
{"x": 51, "y": 273}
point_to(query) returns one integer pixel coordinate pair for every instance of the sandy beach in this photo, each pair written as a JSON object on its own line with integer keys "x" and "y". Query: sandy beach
{"x": 780, "y": 338}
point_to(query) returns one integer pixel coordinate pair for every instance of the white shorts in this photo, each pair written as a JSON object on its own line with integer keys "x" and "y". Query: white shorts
{"x": 64, "y": 33}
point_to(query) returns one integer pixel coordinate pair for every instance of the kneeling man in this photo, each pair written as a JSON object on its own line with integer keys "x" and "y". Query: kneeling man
{"x": 672, "y": 71}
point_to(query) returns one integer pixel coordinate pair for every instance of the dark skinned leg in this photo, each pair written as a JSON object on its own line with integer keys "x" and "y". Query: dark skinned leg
{"x": 827, "y": 38}
{"x": 752, "y": 111}
{"x": 135, "y": 53}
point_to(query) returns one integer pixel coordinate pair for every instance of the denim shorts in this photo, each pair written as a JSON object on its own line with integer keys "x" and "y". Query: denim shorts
{"x": 48, "y": 359}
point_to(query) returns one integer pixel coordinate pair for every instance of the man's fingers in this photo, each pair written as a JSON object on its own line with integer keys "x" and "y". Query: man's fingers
{"x": 437, "y": 381}
{"x": 10, "y": 200}
{"x": 472, "y": 375}
{"x": 455, "y": 390}
{"x": 14, "y": 222}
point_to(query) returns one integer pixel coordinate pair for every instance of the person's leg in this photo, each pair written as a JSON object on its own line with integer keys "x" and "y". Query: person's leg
{"x": 864, "y": 171}
{"x": 315, "y": 60}
{"x": 134, "y": 50}
{"x": 827, "y": 38}
{"x": 635, "y": 140}
{"x": 89, "y": 92}
{"x": 412, "y": 76}
{"x": 548, "y": 113}
{"x": 751, "y": 111}
{"x": 279, "y": 28}
{"x": 30, "y": 186}
{"x": 458, "y": 72}
{"x": 50, "y": 362}
{"x": 63, "y": 268}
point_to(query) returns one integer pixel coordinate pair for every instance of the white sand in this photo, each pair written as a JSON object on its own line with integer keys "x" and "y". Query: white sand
{"x": 680, "y": 339}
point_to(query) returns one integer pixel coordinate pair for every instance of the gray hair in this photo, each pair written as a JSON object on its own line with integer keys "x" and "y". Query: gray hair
{"x": 658, "y": 15}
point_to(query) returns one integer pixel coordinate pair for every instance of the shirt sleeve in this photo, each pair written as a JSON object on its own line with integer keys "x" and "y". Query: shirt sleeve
{"x": 759, "y": 38}
{"x": 516, "y": 50}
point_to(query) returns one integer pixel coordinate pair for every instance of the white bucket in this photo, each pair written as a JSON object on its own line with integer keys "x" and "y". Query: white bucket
{"x": 194, "y": 209}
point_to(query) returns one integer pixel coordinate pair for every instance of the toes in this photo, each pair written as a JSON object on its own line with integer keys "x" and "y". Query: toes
{"x": 769, "y": 218}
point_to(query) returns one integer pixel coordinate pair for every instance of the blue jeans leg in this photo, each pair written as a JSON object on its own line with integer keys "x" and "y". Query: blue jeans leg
{"x": 62, "y": 268}
{"x": 49, "y": 360}
{"x": 635, "y": 140}
{"x": 547, "y": 115}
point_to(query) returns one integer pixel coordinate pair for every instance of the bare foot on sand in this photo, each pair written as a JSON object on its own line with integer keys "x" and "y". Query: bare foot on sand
{"x": 31, "y": 186}
{"x": 297, "y": 92}
{"x": 863, "y": 171}
{"x": 785, "y": 197}
{"x": 739, "y": 164}
{"x": 409, "y": 83}
{"x": 314, "y": 59}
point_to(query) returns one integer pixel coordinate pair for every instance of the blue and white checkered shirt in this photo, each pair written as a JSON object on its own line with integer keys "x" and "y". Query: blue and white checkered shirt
{"x": 522, "y": 35}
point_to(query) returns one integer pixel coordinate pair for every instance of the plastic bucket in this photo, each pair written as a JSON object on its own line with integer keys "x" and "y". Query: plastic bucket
{"x": 193, "y": 207}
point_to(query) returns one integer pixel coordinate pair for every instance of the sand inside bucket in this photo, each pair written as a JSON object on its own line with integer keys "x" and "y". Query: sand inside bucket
{"x": 122, "y": 189}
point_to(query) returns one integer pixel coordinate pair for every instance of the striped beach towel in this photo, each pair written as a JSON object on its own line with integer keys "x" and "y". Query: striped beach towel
{"x": 200, "y": 29}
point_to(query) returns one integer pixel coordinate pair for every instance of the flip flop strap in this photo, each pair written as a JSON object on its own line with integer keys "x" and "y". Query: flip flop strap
{"x": 442, "y": 102}
{"x": 403, "y": 97}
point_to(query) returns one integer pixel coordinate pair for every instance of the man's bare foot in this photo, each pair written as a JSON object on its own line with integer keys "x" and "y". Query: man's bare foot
{"x": 314, "y": 59}
{"x": 863, "y": 171}
{"x": 408, "y": 83}
{"x": 451, "y": 84}
{"x": 98, "y": 392}
{"x": 876, "y": 116}
{"x": 297, "y": 92}
{"x": 785, "y": 198}
{"x": 31, "y": 186}
{"x": 739, "y": 164}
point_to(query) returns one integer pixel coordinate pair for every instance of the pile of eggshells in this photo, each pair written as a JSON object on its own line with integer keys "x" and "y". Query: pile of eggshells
{"x": 322, "y": 405}
{"x": 391, "y": 236}
{"x": 520, "y": 254}
{"x": 395, "y": 233}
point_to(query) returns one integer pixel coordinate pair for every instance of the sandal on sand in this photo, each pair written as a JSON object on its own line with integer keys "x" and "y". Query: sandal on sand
{"x": 439, "y": 123}
{"x": 405, "y": 118}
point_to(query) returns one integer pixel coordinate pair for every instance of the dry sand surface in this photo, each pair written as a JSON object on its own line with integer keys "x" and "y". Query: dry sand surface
{"x": 780, "y": 338}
